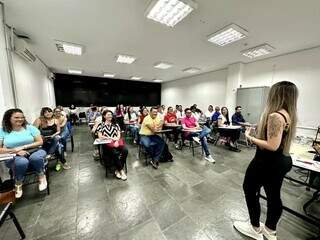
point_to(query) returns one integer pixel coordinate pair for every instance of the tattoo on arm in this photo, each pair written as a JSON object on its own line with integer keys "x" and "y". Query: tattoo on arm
{"x": 274, "y": 126}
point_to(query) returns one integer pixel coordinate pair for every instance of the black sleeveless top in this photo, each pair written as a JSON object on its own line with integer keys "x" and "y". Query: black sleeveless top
{"x": 278, "y": 154}
{"x": 49, "y": 130}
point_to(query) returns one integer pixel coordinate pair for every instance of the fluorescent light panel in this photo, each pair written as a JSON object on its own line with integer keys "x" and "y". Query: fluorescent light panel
{"x": 109, "y": 75}
{"x": 170, "y": 12}
{"x": 191, "y": 70}
{"x": 69, "y": 48}
{"x": 74, "y": 71}
{"x": 258, "y": 51}
{"x": 157, "y": 80}
{"x": 162, "y": 65}
{"x": 136, "y": 78}
{"x": 126, "y": 59}
{"x": 227, "y": 35}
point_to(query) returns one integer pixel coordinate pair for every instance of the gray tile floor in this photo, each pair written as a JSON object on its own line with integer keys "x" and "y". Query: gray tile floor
{"x": 187, "y": 199}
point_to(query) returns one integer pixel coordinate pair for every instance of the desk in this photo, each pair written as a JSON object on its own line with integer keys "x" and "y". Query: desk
{"x": 173, "y": 125}
{"x": 230, "y": 127}
{"x": 98, "y": 141}
{"x": 6, "y": 156}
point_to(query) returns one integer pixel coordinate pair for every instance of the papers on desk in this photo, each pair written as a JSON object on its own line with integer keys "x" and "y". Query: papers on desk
{"x": 6, "y": 156}
{"x": 231, "y": 127}
{"x": 99, "y": 141}
{"x": 307, "y": 164}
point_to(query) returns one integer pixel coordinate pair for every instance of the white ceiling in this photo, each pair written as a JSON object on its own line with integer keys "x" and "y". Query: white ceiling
{"x": 109, "y": 27}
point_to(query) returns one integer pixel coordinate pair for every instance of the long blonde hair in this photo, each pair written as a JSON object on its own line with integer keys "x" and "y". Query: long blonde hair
{"x": 282, "y": 95}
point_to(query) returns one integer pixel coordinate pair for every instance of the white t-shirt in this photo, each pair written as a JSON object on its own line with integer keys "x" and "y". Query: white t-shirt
{"x": 209, "y": 114}
{"x": 222, "y": 118}
{"x": 134, "y": 117}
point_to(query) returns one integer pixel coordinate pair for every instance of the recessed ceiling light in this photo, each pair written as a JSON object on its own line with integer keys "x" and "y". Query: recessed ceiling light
{"x": 258, "y": 51}
{"x": 69, "y": 48}
{"x": 162, "y": 65}
{"x": 157, "y": 80}
{"x": 74, "y": 71}
{"x": 227, "y": 35}
{"x": 125, "y": 59}
{"x": 109, "y": 75}
{"x": 136, "y": 78}
{"x": 191, "y": 70}
{"x": 170, "y": 12}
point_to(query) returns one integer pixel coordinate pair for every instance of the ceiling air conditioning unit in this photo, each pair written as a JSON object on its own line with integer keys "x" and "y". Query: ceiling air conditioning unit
{"x": 22, "y": 48}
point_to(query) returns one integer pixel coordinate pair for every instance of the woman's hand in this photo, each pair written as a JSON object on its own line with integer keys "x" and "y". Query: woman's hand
{"x": 22, "y": 153}
{"x": 18, "y": 149}
{"x": 116, "y": 144}
{"x": 248, "y": 132}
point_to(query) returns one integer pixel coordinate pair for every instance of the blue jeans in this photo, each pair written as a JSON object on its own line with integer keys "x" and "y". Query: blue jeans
{"x": 202, "y": 135}
{"x": 54, "y": 146}
{"x": 134, "y": 129}
{"x": 154, "y": 145}
{"x": 64, "y": 136}
{"x": 19, "y": 165}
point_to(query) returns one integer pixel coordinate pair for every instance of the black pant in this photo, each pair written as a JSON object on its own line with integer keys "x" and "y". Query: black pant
{"x": 176, "y": 131}
{"x": 116, "y": 156}
{"x": 233, "y": 134}
{"x": 267, "y": 173}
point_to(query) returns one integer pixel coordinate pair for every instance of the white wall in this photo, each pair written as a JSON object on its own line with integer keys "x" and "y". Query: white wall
{"x": 34, "y": 89}
{"x": 204, "y": 89}
{"x": 301, "y": 68}
{"x": 6, "y": 97}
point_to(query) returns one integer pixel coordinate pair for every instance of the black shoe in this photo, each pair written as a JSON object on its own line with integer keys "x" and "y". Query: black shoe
{"x": 154, "y": 165}
{"x": 234, "y": 149}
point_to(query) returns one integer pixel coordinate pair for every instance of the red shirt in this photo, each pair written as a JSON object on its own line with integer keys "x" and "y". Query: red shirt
{"x": 170, "y": 118}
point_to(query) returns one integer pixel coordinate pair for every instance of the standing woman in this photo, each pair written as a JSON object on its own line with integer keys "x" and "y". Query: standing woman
{"x": 116, "y": 150}
{"x": 119, "y": 113}
{"x": 272, "y": 160}
{"x": 24, "y": 140}
{"x": 73, "y": 114}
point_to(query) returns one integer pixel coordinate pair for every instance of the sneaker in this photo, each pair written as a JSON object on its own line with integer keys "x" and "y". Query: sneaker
{"x": 58, "y": 167}
{"x": 269, "y": 235}
{"x": 247, "y": 229}
{"x": 18, "y": 190}
{"x": 154, "y": 165}
{"x": 43, "y": 183}
{"x": 118, "y": 175}
{"x": 123, "y": 175}
{"x": 66, "y": 166}
{"x": 196, "y": 139}
{"x": 210, "y": 159}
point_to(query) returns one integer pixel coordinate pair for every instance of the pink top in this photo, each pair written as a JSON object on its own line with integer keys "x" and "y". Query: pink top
{"x": 190, "y": 122}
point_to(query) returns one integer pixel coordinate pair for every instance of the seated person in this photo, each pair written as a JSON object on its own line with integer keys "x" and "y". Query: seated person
{"x": 20, "y": 138}
{"x": 210, "y": 112}
{"x": 94, "y": 133}
{"x": 232, "y": 135}
{"x": 161, "y": 113}
{"x": 144, "y": 113}
{"x": 237, "y": 118}
{"x": 93, "y": 114}
{"x": 190, "y": 123}
{"x": 153, "y": 143}
{"x": 215, "y": 115}
{"x": 179, "y": 113}
{"x": 62, "y": 120}
{"x": 108, "y": 129}
{"x": 50, "y": 129}
{"x": 131, "y": 121}
{"x": 171, "y": 119}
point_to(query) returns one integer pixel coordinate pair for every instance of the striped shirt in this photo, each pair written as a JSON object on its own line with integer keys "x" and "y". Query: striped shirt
{"x": 108, "y": 130}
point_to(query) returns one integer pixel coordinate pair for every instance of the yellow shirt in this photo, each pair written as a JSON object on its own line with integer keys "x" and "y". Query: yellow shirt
{"x": 149, "y": 121}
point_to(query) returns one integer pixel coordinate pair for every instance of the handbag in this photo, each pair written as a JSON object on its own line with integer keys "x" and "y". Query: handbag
{"x": 112, "y": 144}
